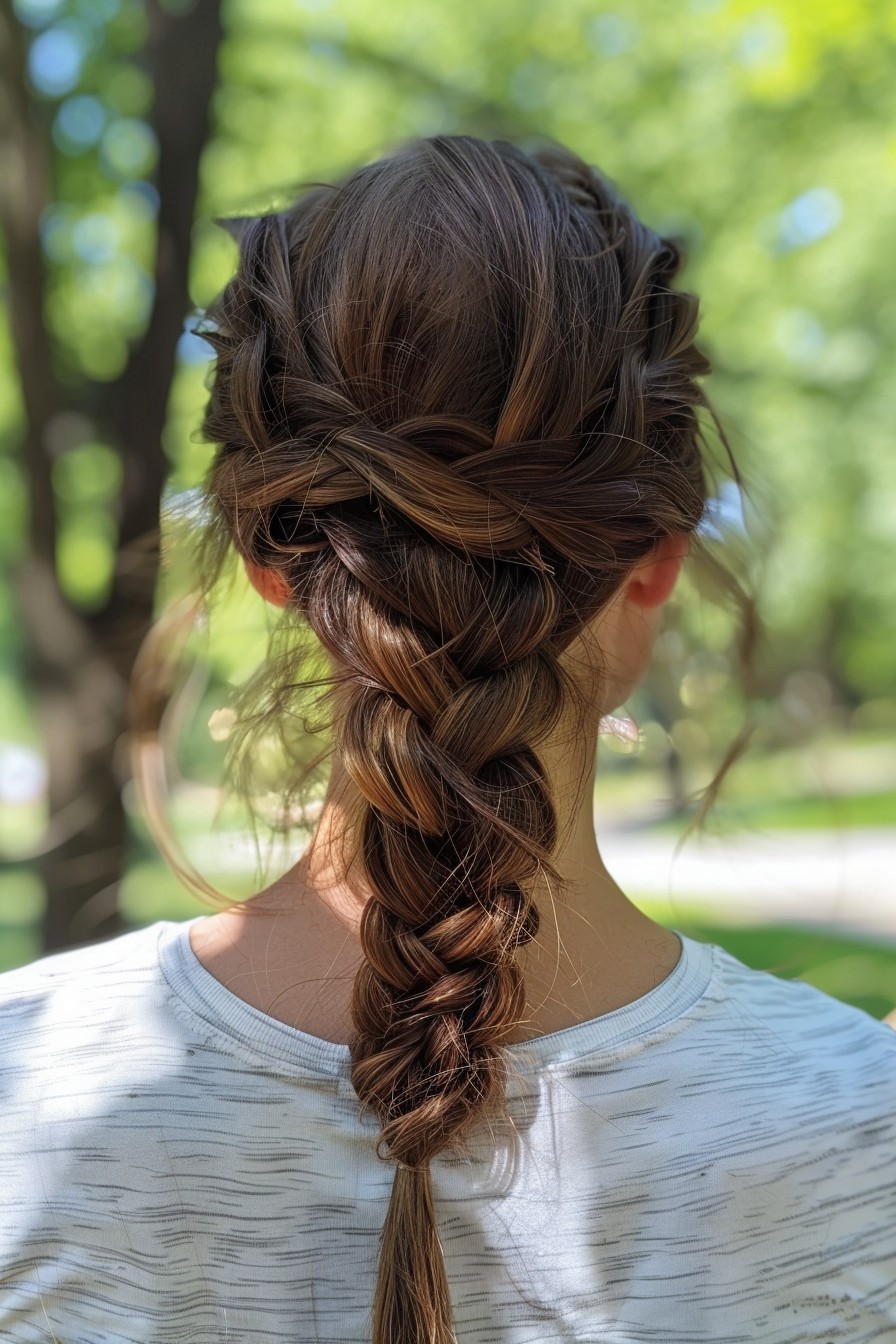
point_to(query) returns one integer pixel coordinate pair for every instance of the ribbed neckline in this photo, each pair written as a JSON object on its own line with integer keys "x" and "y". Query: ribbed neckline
{"x": 225, "y": 1011}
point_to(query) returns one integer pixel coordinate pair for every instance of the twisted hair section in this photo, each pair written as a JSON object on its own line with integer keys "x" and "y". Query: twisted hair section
{"x": 454, "y": 402}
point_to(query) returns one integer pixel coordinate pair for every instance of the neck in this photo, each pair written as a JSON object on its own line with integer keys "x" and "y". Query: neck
{"x": 594, "y": 951}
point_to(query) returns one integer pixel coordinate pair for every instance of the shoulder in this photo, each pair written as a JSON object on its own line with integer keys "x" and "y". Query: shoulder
{"x": 59, "y": 968}
{"x": 798, "y": 1043}
{"x": 75, "y": 989}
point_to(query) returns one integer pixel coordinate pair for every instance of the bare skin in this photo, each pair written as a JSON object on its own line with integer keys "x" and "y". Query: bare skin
{"x": 294, "y": 956}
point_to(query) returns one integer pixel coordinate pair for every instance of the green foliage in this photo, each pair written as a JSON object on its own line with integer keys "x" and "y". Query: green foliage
{"x": 759, "y": 131}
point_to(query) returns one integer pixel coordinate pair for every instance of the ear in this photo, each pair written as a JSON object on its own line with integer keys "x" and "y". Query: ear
{"x": 655, "y": 577}
{"x": 269, "y": 582}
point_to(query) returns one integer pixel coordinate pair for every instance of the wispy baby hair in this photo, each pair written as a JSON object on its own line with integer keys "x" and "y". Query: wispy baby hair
{"x": 454, "y": 403}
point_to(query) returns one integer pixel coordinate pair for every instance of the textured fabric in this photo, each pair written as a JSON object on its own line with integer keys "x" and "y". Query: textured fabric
{"x": 715, "y": 1162}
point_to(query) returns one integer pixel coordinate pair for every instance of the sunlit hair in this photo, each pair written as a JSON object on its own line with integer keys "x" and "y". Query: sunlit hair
{"x": 454, "y": 402}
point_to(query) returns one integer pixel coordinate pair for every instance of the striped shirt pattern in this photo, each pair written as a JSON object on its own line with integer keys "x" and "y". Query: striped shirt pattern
{"x": 715, "y": 1162}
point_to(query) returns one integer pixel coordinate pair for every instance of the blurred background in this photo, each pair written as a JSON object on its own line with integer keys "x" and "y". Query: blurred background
{"x": 763, "y": 134}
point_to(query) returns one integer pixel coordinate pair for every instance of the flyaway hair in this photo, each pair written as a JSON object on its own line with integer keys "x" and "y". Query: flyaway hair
{"x": 454, "y": 403}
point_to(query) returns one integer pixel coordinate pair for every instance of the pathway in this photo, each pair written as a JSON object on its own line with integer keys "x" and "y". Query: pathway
{"x": 845, "y": 879}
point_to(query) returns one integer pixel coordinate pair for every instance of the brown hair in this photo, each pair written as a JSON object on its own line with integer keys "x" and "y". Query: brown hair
{"x": 455, "y": 401}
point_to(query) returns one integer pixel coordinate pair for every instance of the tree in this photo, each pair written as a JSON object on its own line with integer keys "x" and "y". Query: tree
{"x": 755, "y": 129}
{"x": 78, "y": 661}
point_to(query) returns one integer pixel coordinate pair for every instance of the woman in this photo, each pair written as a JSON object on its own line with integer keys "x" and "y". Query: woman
{"x": 443, "y": 1080}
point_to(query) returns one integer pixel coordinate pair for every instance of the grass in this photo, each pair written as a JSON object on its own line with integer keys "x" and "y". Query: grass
{"x": 814, "y": 812}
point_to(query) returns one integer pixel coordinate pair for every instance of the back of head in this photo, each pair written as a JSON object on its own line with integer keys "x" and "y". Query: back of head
{"x": 455, "y": 402}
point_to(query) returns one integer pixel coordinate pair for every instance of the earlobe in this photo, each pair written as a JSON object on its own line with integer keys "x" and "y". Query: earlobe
{"x": 269, "y": 582}
{"x": 654, "y": 580}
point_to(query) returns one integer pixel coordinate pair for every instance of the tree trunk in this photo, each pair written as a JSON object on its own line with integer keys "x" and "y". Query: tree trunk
{"x": 78, "y": 664}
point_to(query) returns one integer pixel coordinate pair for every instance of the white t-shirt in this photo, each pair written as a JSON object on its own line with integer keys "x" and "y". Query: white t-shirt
{"x": 715, "y": 1162}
